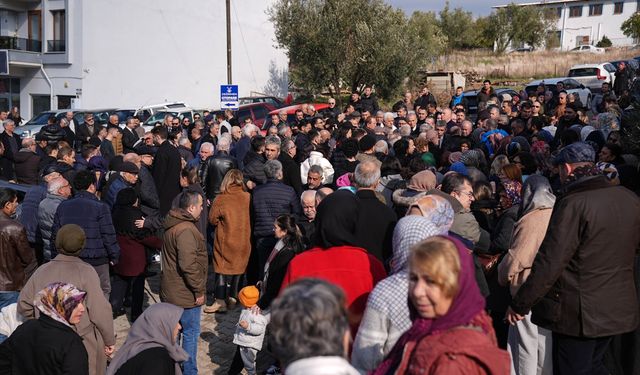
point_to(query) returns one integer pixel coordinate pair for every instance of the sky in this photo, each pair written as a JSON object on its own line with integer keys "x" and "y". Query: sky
{"x": 477, "y": 7}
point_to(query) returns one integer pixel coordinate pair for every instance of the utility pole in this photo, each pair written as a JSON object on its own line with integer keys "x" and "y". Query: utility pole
{"x": 228, "y": 3}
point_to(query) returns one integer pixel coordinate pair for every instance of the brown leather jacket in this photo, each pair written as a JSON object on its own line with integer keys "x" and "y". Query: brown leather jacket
{"x": 17, "y": 258}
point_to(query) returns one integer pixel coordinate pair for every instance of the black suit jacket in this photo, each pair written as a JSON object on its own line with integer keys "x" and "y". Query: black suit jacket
{"x": 166, "y": 174}
{"x": 83, "y": 133}
{"x": 8, "y": 158}
{"x": 129, "y": 138}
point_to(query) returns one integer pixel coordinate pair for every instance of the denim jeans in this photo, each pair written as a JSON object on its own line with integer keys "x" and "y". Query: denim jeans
{"x": 6, "y": 299}
{"x": 190, "y": 322}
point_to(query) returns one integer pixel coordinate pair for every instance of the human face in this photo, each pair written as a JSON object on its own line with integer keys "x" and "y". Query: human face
{"x": 441, "y": 130}
{"x": 131, "y": 178}
{"x": 411, "y": 148}
{"x": 314, "y": 180}
{"x": 458, "y": 91}
{"x": 388, "y": 122}
{"x": 175, "y": 122}
{"x": 526, "y": 113}
{"x": 402, "y": 112}
{"x": 9, "y": 208}
{"x": 569, "y": 114}
{"x": 271, "y": 151}
{"x": 215, "y": 129}
{"x": 205, "y": 153}
{"x": 278, "y": 232}
{"x": 76, "y": 314}
{"x": 235, "y": 133}
{"x": 422, "y": 114}
{"x": 464, "y": 195}
{"x": 605, "y": 155}
{"x": 536, "y": 108}
{"x": 9, "y": 127}
{"x": 309, "y": 208}
{"x": 486, "y": 85}
{"x": 466, "y": 129}
{"x": 332, "y": 103}
{"x": 367, "y": 91}
{"x": 65, "y": 190}
{"x": 460, "y": 116}
{"x": 299, "y": 115}
{"x": 426, "y": 295}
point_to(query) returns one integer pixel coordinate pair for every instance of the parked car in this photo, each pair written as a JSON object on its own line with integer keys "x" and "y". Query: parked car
{"x": 570, "y": 86}
{"x": 276, "y": 102}
{"x": 257, "y": 111}
{"x": 588, "y": 49}
{"x": 33, "y": 126}
{"x": 158, "y": 117}
{"x": 472, "y": 99}
{"x": 593, "y": 75}
{"x": 147, "y": 111}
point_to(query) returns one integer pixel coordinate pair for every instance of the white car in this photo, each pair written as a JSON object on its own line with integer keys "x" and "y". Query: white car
{"x": 571, "y": 86}
{"x": 593, "y": 75}
{"x": 588, "y": 49}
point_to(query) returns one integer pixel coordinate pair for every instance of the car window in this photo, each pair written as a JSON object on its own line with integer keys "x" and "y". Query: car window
{"x": 609, "y": 68}
{"x": 259, "y": 112}
{"x": 40, "y": 119}
{"x": 576, "y": 49}
{"x": 583, "y": 72}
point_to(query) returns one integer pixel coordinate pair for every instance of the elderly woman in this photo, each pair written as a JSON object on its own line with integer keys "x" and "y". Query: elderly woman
{"x": 386, "y": 317}
{"x": 451, "y": 333}
{"x": 310, "y": 329}
{"x": 417, "y": 188}
{"x": 49, "y": 344}
{"x": 151, "y": 347}
{"x": 232, "y": 246}
{"x": 530, "y": 345}
{"x": 96, "y": 326}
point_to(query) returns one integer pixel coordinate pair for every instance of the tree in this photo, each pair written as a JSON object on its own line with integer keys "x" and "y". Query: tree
{"x": 631, "y": 27}
{"x": 336, "y": 44}
{"x": 458, "y": 27}
{"x": 518, "y": 25}
{"x": 278, "y": 84}
{"x": 604, "y": 42}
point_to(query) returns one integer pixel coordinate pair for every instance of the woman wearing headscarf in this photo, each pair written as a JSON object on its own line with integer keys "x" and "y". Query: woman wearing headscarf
{"x": 417, "y": 188}
{"x": 49, "y": 344}
{"x": 336, "y": 258}
{"x": 529, "y": 345}
{"x": 129, "y": 272}
{"x": 451, "y": 333}
{"x": 96, "y": 325}
{"x": 151, "y": 347}
{"x": 386, "y": 317}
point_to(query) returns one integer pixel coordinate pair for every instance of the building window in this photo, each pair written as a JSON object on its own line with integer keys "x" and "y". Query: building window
{"x": 559, "y": 11}
{"x": 575, "y": 11}
{"x": 618, "y": 7}
{"x": 57, "y": 44}
{"x": 595, "y": 9}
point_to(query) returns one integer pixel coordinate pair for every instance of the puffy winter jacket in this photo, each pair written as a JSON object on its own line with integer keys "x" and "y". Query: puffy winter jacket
{"x": 85, "y": 210}
{"x": 316, "y": 158}
{"x": 46, "y": 212}
{"x": 268, "y": 202}
{"x": 29, "y": 213}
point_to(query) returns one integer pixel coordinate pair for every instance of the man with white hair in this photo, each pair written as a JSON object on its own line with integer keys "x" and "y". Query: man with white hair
{"x": 307, "y": 224}
{"x": 244, "y": 144}
{"x": 389, "y": 120}
{"x": 12, "y": 143}
{"x": 184, "y": 148}
{"x": 381, "y": 148}
{"x": 215, "y": 168}
{"x": 26, "y": 162}
{"x": 58, "y": 190}
{"x": 290, "y": 169}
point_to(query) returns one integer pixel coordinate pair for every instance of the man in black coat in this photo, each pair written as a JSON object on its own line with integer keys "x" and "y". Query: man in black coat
{"x": 290, "y": 169}
{"x": 12, "y": 144}
{"x": 86, "y": 130}
{"x": 368, "y": 101}
{"x": 376, "y": 221}
{"x": 166, "y": 169}
{"x": 216, "y": 167}
{"x": 129, "y": 136}
{"x": 424, "y": 99}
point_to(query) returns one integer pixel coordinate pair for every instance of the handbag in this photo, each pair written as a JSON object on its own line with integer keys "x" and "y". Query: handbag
{"x": 489, "y": 262}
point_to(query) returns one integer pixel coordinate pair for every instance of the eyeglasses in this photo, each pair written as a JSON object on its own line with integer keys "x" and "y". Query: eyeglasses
{"x": 536, "y": 106}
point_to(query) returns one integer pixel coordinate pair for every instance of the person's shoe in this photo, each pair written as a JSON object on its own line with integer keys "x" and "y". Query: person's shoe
{"x": 218, "y": 306}
{"x": 231, "y": 303}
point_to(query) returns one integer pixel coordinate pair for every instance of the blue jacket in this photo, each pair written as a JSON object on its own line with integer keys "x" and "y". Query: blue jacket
{"x": 118, "y": 184}
{"x": 270, "y": 200}
{"x": 29, "y": 212}
{"x": 85, "y": 210}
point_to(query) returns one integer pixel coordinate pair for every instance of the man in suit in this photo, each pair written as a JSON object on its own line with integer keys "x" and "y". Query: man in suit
{"x": 129, "y": 136}
{"x": 86, "y": 130}
{"x": 12, "y": 143}
{"x": 166, "y": 169}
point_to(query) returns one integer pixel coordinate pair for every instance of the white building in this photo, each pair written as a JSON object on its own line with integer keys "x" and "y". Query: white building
{"x": 129, "y": 53}
{"x": 587, "y": 21}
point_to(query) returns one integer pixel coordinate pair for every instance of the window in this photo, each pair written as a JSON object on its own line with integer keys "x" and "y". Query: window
{"x": 575, "y": 11}
{"x": 260, "y": 112}
{"x": 57, "y": 44}
{"x": 618, "y": 7}
{"x": 595, "y": 9}
{"x": 559, "y": 12}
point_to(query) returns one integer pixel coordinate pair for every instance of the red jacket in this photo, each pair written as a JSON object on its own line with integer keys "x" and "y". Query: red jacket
{"x": 351, "y": 268}
{"x": 133, "y": 258}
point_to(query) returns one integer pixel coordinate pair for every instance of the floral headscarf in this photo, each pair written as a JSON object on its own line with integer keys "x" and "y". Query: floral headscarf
{"x": 58, "y": 300}
{"x": 511, "y": 195}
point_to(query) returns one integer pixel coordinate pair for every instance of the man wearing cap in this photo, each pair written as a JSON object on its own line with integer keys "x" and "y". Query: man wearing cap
{"x": 354, "y": 119}
{"x": 581, "y": 285}
{"x": 127, "y": 177}
{"x": 96, "y": 324}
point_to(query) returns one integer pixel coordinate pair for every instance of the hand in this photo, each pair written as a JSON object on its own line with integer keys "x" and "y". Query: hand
{"x": 512, "y": 317}
{"x": 139, "y": 223}
{"x": 250, "y": 185}
{"x": 200, "y": 300}
{"x": 244, "y": 324}
{"x": 108, "y": 350}
{"x": 255, "y": 310}
{"x": 341, "y": 117}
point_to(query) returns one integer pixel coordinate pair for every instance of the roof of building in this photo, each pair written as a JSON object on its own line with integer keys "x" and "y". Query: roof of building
{"x": 544, "y": 2}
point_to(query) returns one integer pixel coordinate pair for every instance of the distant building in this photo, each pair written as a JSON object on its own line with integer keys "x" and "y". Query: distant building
{"x": 583, "y": 22}
{"x": 129, "y": 53}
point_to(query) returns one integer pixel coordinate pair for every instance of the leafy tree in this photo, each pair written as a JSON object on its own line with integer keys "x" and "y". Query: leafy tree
{"x": 604, "y": 42}
{"x": 338, "y": 44}
{"x": 518, "y": 25}
{"x": 278, "y": 84}
{"x": 631, "y": 27}
{"x": 458, "y": 27}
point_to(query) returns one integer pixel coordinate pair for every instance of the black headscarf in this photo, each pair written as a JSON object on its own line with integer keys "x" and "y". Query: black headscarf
{"x": 336, "y": 220}
{"x": 125, "y": 214}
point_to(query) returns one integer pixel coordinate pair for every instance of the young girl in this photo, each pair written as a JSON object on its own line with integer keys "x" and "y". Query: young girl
{"x": 251, "y": 328}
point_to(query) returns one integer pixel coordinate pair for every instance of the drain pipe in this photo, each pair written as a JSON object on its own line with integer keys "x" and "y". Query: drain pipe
{"x": 46, "y": 77}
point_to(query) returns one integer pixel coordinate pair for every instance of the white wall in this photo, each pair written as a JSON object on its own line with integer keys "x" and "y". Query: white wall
{"x": 136, "y": 52}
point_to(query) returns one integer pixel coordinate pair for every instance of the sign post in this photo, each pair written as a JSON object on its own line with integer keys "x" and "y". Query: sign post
{"x": 229, "y": 97}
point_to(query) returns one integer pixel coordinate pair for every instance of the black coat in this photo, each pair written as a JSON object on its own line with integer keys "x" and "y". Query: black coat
{"x": 129, "y": 139}
{"x": 43, "y": 346}
{"x": 9, "y": 154}
{"x": 26, "y": 163}
{"x": 270, "y": 200}
{"x": 215, "y": 168}
{"x": 166, "y": 174}
{"x": 152, "y": 361}
{"x": 290, "y": 172}
{"x": 376, "y": 221}
{"x": 254, "y": 168}
{"x": 277, "y": 270}
{"x": 369, "y": 103}
{"x": 83, "y": 133}
{"x": 424, "y": 100}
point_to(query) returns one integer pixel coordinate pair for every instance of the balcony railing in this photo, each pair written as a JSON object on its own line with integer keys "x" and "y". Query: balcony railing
{"x": 22, "y": 44}
{"x": 56, "y": 46}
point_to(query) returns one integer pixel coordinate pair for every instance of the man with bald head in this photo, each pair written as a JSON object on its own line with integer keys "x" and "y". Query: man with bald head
{"x": 307, "y": 225}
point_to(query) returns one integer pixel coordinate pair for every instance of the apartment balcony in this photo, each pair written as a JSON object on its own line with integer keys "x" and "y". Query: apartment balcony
{"x": 56, "y": 46}
{"x": 20, "y": 44}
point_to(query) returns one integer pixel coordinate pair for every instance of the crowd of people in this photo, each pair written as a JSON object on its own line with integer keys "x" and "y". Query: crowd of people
{"x": 356, "y": 241}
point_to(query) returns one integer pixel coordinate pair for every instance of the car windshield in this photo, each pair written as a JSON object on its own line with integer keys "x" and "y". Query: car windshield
{"x": 583, "y": 72}
{"x": 159, "y": 117}
{"x": 40, "y": 119}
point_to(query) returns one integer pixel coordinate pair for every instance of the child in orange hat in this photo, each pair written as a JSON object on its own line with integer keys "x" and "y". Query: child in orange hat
{"x": 251, "y": 327}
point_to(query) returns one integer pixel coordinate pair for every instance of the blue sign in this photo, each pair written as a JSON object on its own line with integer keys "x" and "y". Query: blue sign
{"x": 229, "y": 97}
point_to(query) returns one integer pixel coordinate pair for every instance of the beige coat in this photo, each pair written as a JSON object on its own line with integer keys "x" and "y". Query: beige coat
{"x": 96, "y": 324}
{"x": 528, "y": 234}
